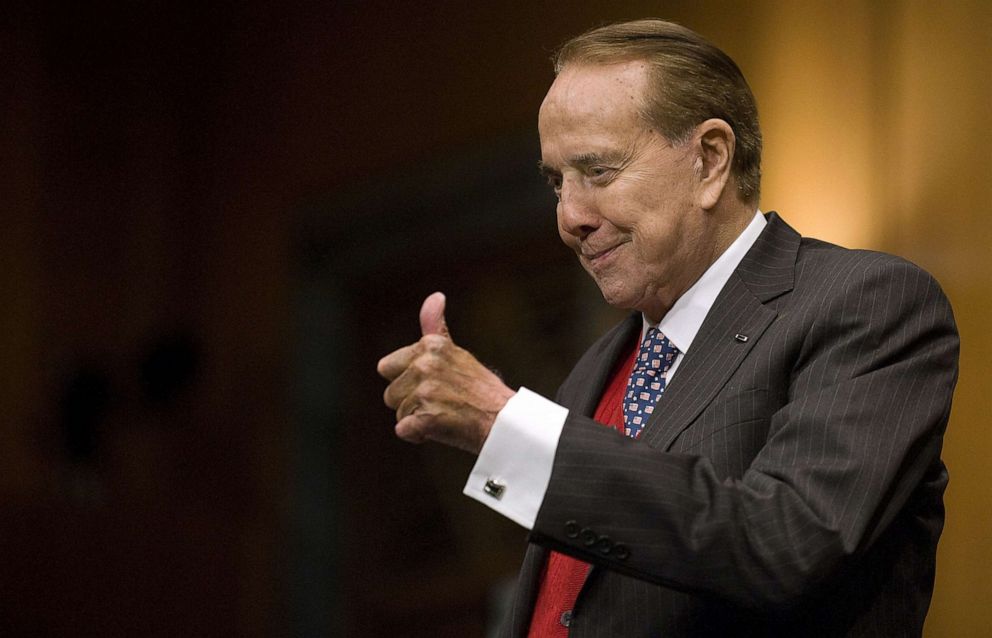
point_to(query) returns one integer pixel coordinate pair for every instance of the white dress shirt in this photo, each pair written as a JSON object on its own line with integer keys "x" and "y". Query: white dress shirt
{"x": 513, "y": 469}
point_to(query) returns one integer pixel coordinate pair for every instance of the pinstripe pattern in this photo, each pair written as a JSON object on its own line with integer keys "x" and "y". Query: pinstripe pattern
{"x": 787, "y": 485}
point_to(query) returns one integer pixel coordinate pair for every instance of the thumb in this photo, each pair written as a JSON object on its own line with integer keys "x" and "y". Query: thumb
{"x": 432, "y": 316}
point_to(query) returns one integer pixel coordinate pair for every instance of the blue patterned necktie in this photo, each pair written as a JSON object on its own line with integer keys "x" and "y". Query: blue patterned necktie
{"x": 647, "y": 380}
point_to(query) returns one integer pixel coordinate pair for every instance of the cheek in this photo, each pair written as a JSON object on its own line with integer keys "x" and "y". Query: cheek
{"x": 655, "y": 242}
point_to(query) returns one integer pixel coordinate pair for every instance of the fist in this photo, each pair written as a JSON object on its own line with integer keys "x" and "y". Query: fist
{"x": 441, "y": 392}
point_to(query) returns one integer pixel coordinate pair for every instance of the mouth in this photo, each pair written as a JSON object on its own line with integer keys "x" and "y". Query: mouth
{"x": 596, "y": 258}
{"x": 600, "y": 254}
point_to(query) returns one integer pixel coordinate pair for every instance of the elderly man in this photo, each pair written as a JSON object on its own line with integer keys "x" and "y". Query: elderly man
{"x": 755, "y": 451}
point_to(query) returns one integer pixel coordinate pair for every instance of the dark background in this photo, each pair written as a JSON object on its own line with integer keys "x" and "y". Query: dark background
{"x": 217, "y": 216}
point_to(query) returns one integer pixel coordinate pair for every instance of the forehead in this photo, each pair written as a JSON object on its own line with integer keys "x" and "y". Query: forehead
{"x": 596, "y": 93}
{"x": 592, "y": 109}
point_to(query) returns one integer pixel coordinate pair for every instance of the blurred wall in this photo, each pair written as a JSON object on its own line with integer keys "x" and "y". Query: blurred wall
{"x": 876, "y": 120}
{"x": 189, "y": 188}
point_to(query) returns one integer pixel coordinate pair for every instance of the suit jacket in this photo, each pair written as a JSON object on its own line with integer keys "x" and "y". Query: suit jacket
{"x": 789, "y": 482}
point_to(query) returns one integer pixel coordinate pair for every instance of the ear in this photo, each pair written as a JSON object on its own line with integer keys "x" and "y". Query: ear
{"x": 715, "y": 142}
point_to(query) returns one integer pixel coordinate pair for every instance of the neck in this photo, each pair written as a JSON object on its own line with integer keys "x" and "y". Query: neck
{"x": 728, "y": 224}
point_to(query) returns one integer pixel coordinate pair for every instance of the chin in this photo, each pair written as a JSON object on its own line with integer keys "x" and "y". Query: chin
{"x": 617, "y": 296}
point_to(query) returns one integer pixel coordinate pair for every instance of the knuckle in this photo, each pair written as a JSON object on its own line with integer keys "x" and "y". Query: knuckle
{"x": 420, "y": 366}
{"x": 428, "y": 388}
{"x": 433, "y": 342}
{"x": 426, "y": 365}
{"x": 388, "y": 399}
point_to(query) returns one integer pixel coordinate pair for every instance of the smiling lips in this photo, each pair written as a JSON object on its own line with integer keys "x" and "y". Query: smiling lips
{"x": 599, "y": 256}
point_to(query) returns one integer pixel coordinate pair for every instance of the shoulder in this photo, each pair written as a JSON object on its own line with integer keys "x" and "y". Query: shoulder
{"x": 825, "y": 271}
{"x": 840, "y": 295}
{"x": 871, "y": 301}
{"x": 780, "y": 249}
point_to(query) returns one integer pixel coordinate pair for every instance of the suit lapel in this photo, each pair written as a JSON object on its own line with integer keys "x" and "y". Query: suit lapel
{"x": 713, "y": 357}
{"x": 584, "y": 387}
{"x": 732, "y": 327}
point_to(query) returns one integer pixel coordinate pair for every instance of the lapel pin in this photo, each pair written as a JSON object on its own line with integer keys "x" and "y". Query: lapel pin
{"x": 740, "y": 337}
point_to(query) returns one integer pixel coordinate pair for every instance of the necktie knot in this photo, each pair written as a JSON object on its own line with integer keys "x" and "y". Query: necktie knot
{"x": 647, "y": 380}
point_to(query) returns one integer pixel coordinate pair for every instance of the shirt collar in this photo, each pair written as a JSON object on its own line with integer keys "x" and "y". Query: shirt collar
{"x": 684, "y": 319}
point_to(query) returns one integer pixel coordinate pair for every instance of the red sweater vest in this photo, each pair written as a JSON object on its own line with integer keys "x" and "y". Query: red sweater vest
{"x": 563, "y": 576}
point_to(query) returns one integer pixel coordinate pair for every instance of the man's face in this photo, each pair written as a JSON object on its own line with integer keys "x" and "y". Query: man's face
{"x": 627, "y": 198}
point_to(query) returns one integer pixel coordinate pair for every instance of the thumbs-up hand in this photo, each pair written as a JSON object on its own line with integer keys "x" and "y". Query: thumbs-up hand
{"x": 441, "y": 392}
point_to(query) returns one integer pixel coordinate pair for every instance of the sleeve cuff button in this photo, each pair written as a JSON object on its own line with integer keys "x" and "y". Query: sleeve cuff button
{"x": 588, "y": 537}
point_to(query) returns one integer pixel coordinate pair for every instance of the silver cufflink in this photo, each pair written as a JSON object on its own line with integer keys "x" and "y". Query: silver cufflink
{"x": 494, "y": 488}
{"x": 740, "y": 337}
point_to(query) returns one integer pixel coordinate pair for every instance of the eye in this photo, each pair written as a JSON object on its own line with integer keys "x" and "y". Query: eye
{"x": 554, "y": 181}
{"x": 599, "y": 172}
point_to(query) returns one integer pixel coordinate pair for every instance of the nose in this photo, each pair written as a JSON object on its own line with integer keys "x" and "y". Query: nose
{"x": 577, "y": 213}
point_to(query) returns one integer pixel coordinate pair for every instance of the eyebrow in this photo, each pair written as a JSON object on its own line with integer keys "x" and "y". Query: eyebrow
{"x": 583, "y": 160}
{"x": 545, "y": 170}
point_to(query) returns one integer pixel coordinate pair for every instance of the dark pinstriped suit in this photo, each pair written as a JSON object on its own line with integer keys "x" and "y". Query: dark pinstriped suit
{"x": 789, "y": 484}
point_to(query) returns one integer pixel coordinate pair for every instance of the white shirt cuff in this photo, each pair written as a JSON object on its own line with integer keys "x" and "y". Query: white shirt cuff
{"x": 513, "y": 469}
